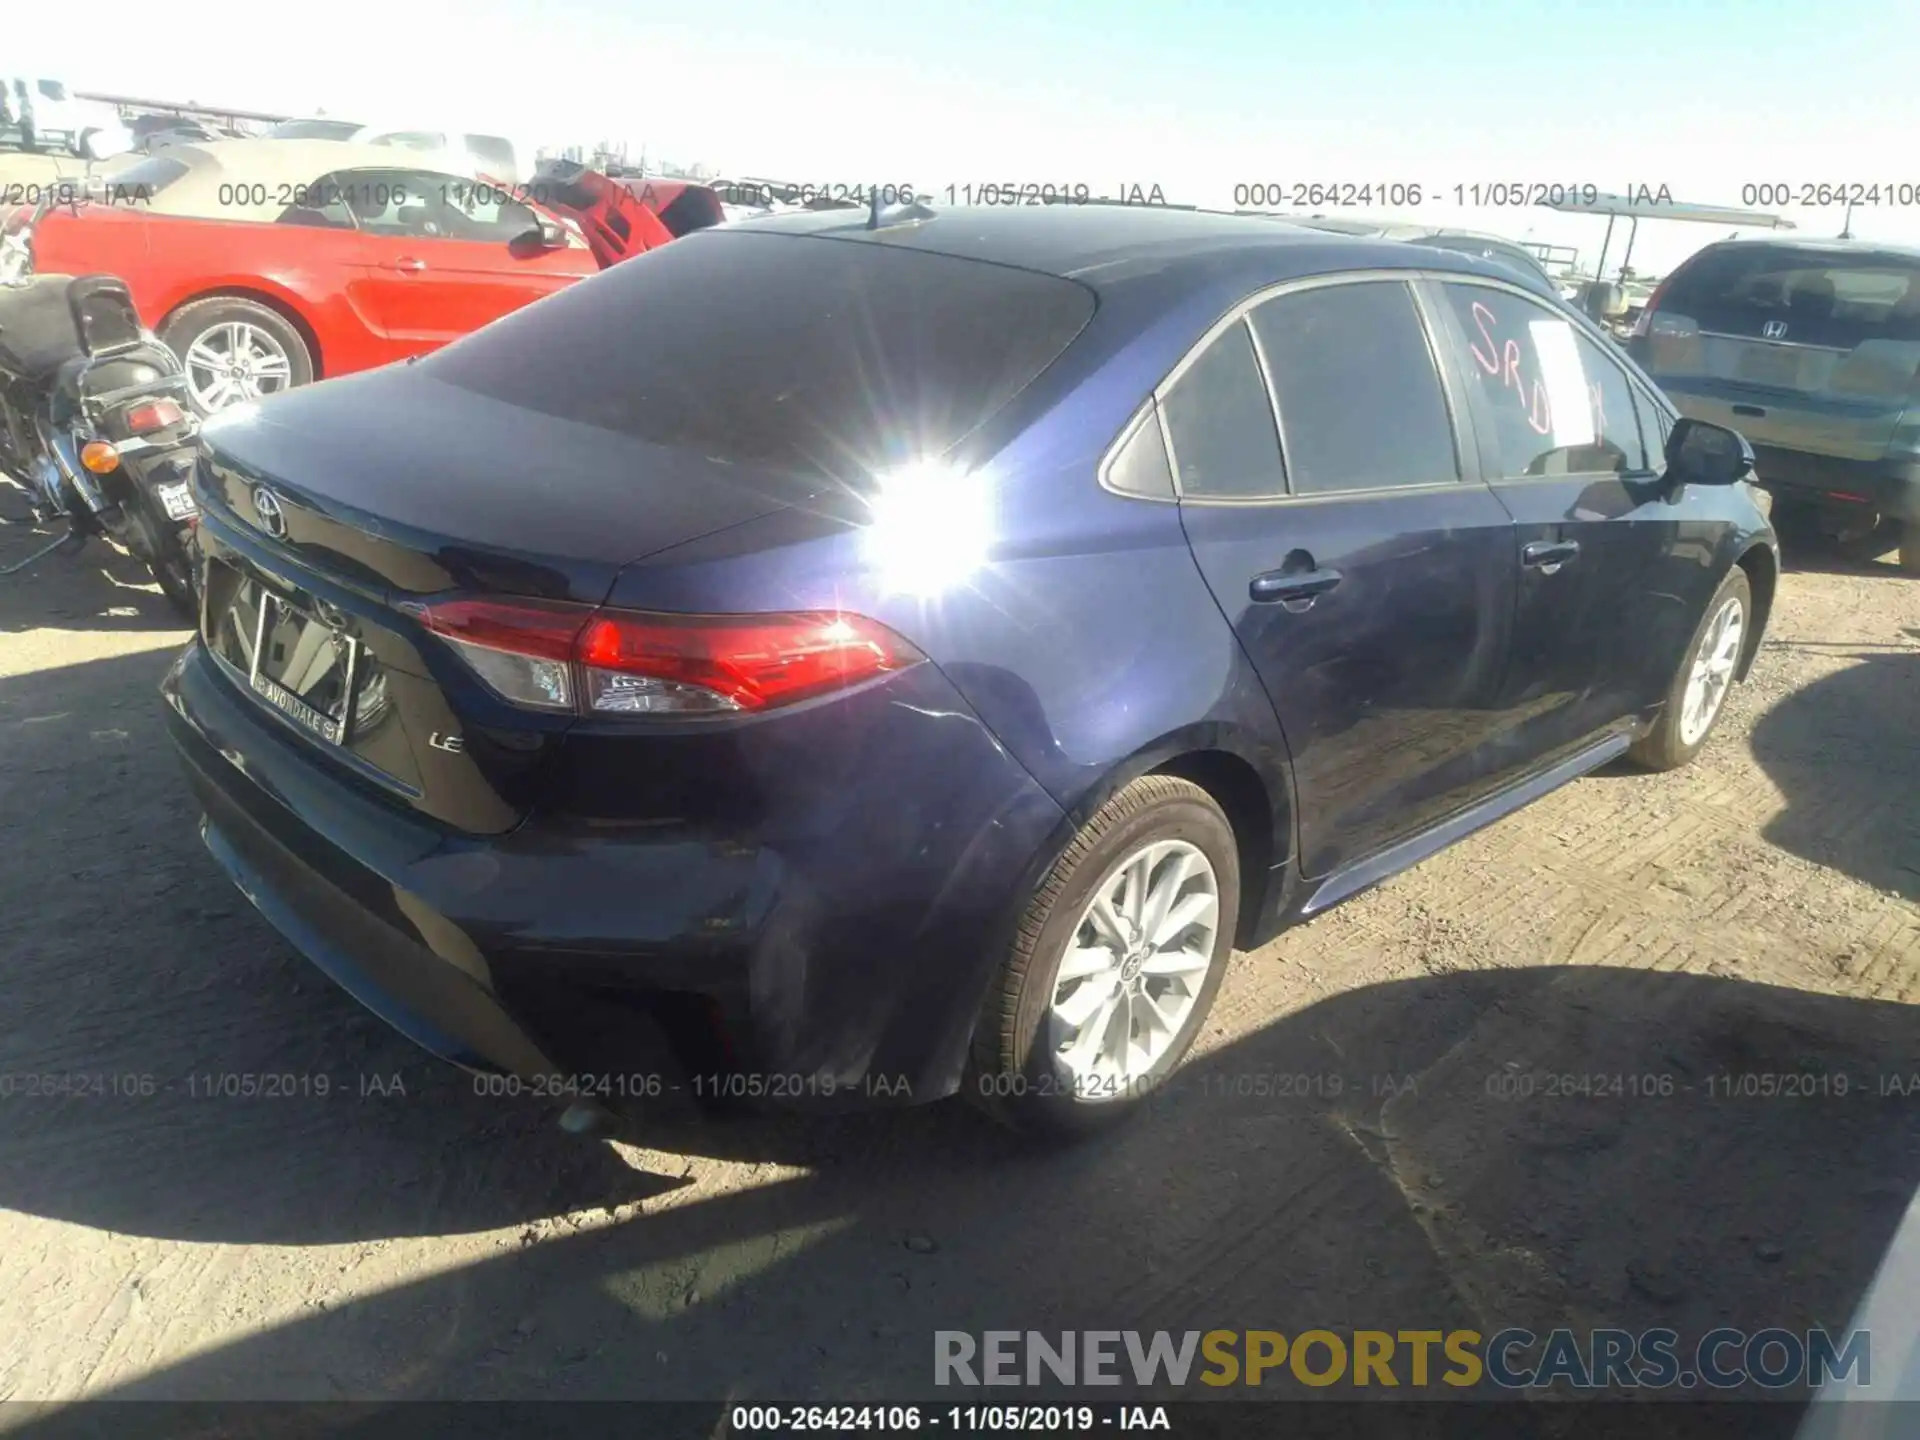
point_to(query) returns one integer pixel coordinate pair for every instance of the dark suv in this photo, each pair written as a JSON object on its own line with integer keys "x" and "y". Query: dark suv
{"x": 1812, "y": 350}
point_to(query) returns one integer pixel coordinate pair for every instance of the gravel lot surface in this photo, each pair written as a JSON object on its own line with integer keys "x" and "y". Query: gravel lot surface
{"x": 1355, "y": 1147}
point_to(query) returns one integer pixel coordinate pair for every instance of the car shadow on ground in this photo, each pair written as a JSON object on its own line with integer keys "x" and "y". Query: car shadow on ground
{"x": 1845, "y": 751}
{"x": 1533, "y": 1148}
{"x": 1528, "y": 1147}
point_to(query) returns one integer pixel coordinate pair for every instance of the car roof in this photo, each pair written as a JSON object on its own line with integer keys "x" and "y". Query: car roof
{"x": 1830, "y": 246}
{"x": 269, "y": 165}
{"x": 1112, "y": 246}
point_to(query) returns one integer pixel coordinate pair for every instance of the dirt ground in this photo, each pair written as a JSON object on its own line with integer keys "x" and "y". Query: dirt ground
{"x": 404, "y": 1238}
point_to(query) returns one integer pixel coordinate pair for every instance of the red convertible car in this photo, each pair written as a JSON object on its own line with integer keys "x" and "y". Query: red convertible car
{"x": 265, "y": 264}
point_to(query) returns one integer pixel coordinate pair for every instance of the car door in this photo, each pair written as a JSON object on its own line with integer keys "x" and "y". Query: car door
{"x": 1323, "y": 488}
{"x": 1615, "y": 565}
{"x": 444, "y": 256}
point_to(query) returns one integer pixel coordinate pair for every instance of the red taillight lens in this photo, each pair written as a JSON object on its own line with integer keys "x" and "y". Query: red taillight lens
{"x": 154, "y": 415}
{"x": 567, "y": 657}
{"x": 693, "y": 663}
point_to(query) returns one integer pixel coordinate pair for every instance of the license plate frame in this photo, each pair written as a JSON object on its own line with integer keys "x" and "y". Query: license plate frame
{"x": 176, "y": 498}
{"x": 295, "y": 708}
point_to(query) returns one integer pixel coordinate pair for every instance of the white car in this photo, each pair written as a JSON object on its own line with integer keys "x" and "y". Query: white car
{"x": 44, "y": 115}
{"x": 456, "y": 152}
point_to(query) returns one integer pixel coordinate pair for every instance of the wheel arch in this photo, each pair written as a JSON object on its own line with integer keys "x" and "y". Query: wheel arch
{"x": 1250, "y": 782}
{"x": 1762, "y": 567}
{"x": 279, "y": 304}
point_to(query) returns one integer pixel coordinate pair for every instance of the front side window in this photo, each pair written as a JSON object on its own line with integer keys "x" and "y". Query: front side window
{"x": 1559, "y": 406}
{"x": 1221, "y": 424}
{"x": 1361, "y": 406}
{"x": 426, "y": 204}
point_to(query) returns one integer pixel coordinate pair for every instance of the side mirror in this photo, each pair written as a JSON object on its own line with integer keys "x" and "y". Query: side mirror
{"x": 543, "y": 234}
{"x": 1604, "y": 301}
{"x": 1706, "y": 454}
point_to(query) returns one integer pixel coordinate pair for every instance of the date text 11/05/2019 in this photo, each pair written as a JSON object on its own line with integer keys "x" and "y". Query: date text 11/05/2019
{"x": 718, "y": 1085}
{"x": 1471, "y": 195}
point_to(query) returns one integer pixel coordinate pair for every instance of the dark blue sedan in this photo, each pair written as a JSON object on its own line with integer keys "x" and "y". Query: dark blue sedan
{"x": 864, "y": 658}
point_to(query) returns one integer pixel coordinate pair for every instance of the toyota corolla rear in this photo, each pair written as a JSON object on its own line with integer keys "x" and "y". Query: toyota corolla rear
{"x": 563, "y": 689}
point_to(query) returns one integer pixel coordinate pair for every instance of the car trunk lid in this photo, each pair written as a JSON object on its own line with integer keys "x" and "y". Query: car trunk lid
{"x": 349, "y": 503}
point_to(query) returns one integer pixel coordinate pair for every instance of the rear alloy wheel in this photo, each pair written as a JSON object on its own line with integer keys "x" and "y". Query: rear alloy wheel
{"x": 1115, "y": 964}
{"x": 236, "y": 350}
{"x": 1705, "y": 677}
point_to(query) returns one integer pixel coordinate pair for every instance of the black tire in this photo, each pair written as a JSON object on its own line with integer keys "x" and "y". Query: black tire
{"x": 166, "y": 556}
{"x": 1910, "y": 547}
{"x": 1664, "y": 747}
{"x": 1011, "y": 1073}
{"x": 197, "y": 317}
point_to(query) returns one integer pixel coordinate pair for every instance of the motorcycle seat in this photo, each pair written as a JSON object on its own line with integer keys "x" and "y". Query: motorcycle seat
{"x": 37, "y": 330}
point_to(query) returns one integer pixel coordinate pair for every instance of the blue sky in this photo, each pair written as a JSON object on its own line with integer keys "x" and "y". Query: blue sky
{"x": 1702, "y": 97}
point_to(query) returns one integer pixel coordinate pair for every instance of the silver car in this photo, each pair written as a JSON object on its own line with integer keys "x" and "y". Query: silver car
{"x": 1811, "y": 349}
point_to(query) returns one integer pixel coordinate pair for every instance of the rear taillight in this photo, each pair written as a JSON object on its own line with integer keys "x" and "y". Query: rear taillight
{"x": 622, "y": 662}
{"x": 154, "y": 415}
{"x": 1641, "y": 325}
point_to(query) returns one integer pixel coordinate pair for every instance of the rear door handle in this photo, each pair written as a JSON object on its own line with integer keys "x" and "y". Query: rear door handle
{"x": 409, "y": 264}
{"x": 1295, "y": 589}
{"x": 1547, "y": 556}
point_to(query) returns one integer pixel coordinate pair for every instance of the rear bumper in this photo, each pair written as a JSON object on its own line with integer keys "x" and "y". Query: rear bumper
{"x": 1890, "y": 487}
{"x": 552, "y": 952}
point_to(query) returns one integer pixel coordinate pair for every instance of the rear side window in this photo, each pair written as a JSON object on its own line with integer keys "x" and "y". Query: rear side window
{"x": 1559, "y": 405}
{"x": 1221, "y": 424}
{"x": 1140, "y": 466}
{"x": 1360, "y": 400}
{"x": 146, "y": 178}
{"x": 802, "y": 353}
{"x": 1808, "y": 297}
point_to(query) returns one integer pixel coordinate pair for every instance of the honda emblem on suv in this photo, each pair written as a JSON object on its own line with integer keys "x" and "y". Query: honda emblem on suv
{"x": 1775, "y": 330}
{"x": 273, "y": 519}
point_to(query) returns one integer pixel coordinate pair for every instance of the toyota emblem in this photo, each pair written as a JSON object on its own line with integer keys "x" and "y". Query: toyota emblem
{"x": 1775, "y": 330}
{"x": 273, "y": 519}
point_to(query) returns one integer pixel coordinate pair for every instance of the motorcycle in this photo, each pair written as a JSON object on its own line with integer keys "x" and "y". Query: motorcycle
{"x": 95, "y": 422}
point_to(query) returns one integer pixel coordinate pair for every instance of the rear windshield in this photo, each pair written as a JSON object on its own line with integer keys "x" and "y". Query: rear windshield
{"x": 1800, "y": 296}
{"x": 800, "y": 353}
{"x": 313, "y": 130}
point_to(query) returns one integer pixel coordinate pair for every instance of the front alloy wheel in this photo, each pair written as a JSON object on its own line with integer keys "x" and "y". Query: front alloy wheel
{"x": 1698, "y": 694}
{"x": 1712, "y": 674}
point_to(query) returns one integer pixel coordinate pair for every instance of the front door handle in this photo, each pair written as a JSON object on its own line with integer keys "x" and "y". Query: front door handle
{"x": 1294, "y": 589}
{"x": 1547, "y": 556}
{"x": 410, "y": 265}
